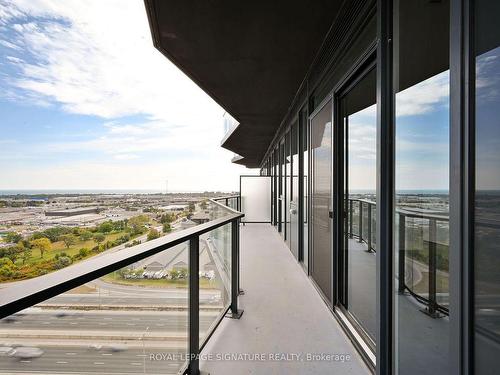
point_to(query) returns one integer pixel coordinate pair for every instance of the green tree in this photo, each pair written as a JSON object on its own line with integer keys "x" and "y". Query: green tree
{"x": 86, "y": 235}
{"x": 167, "y": 228}
{"x": 26, "y": 255}
{"x": 99, "y": 237}
{"x": 191, "y": 207}
{"x": 203, "y": 205}
{"x": 68, "y": 239}
{"x": 13, "y": 237}
{"x": 53, "y": 234}
{"x": 106, "y": 227}
{"x": 62, "y": 262}
{"x": 166, "y": 218}
{"x": 42, "y": 244}
{"x": 11, "y": 252}
{"x": 153, "y": 233}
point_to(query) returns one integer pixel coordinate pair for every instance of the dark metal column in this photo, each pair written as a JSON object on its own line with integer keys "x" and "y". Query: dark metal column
{"x": 235, "y": 264}
{"x": 432, "y": 306}
{"x": 369, "y": 224}
{"x": 350, "y": 218}
{"x": 385, "y": 188}
{"x": 360, "y": 222}
{"x": 402, "y": 255}
{"x": 194, "y": 306}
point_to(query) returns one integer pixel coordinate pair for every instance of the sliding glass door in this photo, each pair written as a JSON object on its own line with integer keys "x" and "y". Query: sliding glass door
{"x": 294, "y": 191}
{"x": 321, "y": 199}
{"x": 487, "y": 190}
{"x": 357, "y": 112}
{"x": 422, "y": 170}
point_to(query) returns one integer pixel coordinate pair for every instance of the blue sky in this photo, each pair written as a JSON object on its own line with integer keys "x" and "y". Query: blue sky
{"x": 488, "y": 120}
{"x": 86, "y": 102}
{"x": 422, "y": 139}
{"x": 422, "y": 135}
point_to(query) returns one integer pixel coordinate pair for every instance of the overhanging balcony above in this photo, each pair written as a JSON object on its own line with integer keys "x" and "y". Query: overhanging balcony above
{"x": 250, "y": 57}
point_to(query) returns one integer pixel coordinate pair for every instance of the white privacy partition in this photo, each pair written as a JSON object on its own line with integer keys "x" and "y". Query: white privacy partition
{"x": 255, "y": 192}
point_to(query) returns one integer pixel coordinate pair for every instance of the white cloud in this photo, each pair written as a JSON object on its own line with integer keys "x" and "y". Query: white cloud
{"x": 424, "y": 97}
{"x": 96, "y": 58}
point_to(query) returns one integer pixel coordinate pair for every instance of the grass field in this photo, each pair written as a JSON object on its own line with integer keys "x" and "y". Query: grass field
{"x": 59, "y": 247}
{"x": 115, "y": 278}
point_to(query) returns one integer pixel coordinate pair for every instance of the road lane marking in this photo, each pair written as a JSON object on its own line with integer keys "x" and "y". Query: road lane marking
{"x": 25, "y": 361}
{"x": 136, "y": 363}
{"x": 71, "y": 353}
{"x": 98, "y": 363}
{"x": 61, "y": 362}
{"x": 107, "y": 354}
{"x": 141, "y": 355}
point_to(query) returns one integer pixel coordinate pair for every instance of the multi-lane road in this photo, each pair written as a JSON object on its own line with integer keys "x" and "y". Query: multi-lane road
{"x": 83, "y": 360}
{"x": 45, "y": 322}
{"x": 104, "y": 342}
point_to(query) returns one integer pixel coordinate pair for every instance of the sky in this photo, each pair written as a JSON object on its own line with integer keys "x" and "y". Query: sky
{"x": 87, "y": 102}
{"x": 422, "y": 126}
{"x": 488, "y": 120}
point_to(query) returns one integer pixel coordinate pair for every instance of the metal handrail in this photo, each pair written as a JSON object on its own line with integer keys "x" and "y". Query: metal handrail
{"x": 27, "y": 293}
{"x": 432, "y": 306}
{"x": 227, "y": 198}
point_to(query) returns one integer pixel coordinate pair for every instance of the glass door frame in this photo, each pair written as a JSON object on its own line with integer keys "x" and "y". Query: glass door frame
{"x": 328, "y": 100}
{"x": 356, "y": 75}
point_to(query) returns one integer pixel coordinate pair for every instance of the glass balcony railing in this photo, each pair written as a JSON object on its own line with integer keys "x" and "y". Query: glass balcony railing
{"x": 421, "y": 251}
{"x": 147, "y": 309}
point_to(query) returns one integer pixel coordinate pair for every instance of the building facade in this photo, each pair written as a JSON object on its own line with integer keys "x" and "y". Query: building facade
{"x": 379, "y": 129}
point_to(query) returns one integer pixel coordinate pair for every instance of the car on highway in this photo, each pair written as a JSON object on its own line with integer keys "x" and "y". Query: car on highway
{"x": 26, "y": 352}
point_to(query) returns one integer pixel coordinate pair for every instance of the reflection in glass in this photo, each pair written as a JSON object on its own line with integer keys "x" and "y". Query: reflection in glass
{"x": 359, "y": 117}
{"x": 215, "y": 277}
{"x": 113, "y": 325}
{"x": 421, "y": 233}
{"x": 487, "y": 199}
{"x": 294, "y": 191}
{"x": 321, "y": 152}
{"x": 288, "y": 172}
{"x": 305, "y": 181}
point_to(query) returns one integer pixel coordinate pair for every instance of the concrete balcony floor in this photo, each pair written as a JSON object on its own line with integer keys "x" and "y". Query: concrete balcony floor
{"x": 283, "y": 314}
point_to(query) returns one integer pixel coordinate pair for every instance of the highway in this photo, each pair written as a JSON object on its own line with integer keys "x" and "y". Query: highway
{"x": 97, "y": 342}
{"x": 120, "y": 321}
{"x": 82, "y": 360}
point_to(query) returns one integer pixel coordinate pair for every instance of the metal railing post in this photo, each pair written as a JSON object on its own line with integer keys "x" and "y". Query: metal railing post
{"x": 350, "y": 218}
{"x": 402, "y": 255}
{"x": 235, "y": 269}
{"x": 360, "y": 221}
{"x": 194, "y": 306}
{"x": 369, "y": 239}
{"x": 432, "y": 305}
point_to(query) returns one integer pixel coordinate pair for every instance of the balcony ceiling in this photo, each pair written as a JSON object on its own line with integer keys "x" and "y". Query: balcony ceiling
{"x": 249, "y": 56}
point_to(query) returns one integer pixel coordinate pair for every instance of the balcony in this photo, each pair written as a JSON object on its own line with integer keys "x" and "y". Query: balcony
{"x": 283, "y": 315}
{"x": 98, "y": 316}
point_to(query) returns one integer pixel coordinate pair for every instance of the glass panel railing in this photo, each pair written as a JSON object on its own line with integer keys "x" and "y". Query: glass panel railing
{"x": 133, "y": 320}
{"x": 215, "y": 278}
{"x": 421, "y": 246}
{"x": 141, "y": 309}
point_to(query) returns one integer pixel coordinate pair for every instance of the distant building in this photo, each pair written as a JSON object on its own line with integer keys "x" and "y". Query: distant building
{"x": 186, "y": 223}
{"x": 174, "y": 207}
{"x": 154, "y": 267}
{"x": 73, "y": 211}
{"x": 180, "y": 265}
{"x": 200, "y": 217}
